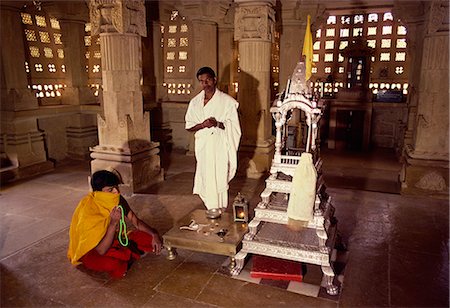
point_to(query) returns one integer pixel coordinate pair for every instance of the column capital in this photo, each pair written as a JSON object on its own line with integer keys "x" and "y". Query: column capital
{"x": 438, "y": 18}
{"x": 254, "y": 20}
{"x": 410, "y": 12}
{"x": 122, "y": 16}
{"x": 212, "y": 10}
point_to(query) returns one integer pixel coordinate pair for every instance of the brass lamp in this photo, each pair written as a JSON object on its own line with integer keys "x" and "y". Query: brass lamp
{"x": 240, "y": 208}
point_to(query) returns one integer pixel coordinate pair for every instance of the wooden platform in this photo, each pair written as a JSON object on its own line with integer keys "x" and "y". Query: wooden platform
{"x": 206, "y": 239}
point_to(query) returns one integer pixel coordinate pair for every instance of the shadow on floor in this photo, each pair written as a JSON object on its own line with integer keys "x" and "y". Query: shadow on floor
{"x": 377, "y": 170}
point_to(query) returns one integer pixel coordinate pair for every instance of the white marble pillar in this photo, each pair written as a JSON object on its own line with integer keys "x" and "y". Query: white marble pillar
{"x": 425, "y": 168}
{"x": 124, "y": 128}
{"x": 21, "y": 142}
{"x": 254, "y": 22}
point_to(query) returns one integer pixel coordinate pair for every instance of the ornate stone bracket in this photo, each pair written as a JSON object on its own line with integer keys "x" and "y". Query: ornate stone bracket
{"x": 122, "y": 16}
{"x": 254, "y": 22}
{"x": 438, "y": 21}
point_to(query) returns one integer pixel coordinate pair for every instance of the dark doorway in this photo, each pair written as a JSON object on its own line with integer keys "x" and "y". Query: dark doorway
{"x": 349, "y": 129}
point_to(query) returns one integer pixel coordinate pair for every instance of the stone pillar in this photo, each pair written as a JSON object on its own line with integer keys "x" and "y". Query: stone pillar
{"x": 205, "y": 43}
{"x": 291, "y": 41}
{"x": 204, "y": 16}
{"x": 254, "y": 22}
{"x": 124, "y": 129}
{"x": 227, "y": 69}
{"x": 22, "y": 143}
{"x": 158, "y": 60}
{"x": 412, "y": 14}
{"x": 153, "y": 65}
{"x": 425, "y": 167}
{"x": 72, "y": 18}
{"x": 81, "y": 131}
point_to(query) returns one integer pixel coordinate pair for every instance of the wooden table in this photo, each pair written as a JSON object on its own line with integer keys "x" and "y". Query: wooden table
{"x": 206, "y": 239}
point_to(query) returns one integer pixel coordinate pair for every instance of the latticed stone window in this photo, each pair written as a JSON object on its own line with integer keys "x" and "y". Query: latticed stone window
{"x": 93, "y": 60}
{"x": 44, "y": 63}
{"x": 176, "y": 44}
{"x": 381, "y": 31}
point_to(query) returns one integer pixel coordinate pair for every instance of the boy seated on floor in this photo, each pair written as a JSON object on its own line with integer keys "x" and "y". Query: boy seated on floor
{"x": 94, "y": 237}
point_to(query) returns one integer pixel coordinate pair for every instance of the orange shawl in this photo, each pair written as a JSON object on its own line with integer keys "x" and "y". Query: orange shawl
{"x": 89, "y": 223}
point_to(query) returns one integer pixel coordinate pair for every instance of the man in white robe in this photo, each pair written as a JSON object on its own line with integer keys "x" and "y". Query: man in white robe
{"x": 212, "y": 116}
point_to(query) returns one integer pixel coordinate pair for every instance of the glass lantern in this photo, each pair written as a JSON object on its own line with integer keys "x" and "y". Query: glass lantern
{"x": 240, "y": 208}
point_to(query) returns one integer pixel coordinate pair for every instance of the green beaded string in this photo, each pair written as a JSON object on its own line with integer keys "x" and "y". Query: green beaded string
{"x": 122, "y": 229}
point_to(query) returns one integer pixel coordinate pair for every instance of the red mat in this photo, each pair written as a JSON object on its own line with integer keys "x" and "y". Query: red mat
{"x": 276, "y": 269}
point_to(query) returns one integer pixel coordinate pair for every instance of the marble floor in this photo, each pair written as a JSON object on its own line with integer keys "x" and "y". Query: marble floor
{"x": 397, "y": 246}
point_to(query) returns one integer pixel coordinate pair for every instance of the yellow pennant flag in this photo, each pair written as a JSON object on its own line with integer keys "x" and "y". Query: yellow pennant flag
{"x": 308, "y": 49}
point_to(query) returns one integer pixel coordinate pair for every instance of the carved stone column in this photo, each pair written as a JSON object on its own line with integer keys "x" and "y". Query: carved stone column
{"x": 227, "y": 64}
{"x": 412, "y": 14}
{"x": 425, "y": 167}
{"x": 81, "y": 132}
{"x": 205, "y": 16}
{"x": 254, "y": 22}
{"x": 124, "y": 129}
{"x": 22, "y": 143}
{"x": 72, "y": 18}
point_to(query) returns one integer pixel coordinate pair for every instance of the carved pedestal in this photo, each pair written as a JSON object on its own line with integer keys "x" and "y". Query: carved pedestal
{"x": 139, "y": 165}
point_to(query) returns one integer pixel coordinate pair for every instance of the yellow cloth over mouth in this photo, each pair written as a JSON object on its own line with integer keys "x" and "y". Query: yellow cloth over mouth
{"x": 89, "y": 223}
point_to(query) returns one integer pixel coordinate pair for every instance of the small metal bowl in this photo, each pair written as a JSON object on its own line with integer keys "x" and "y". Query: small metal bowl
{"x": 213, "y": 213}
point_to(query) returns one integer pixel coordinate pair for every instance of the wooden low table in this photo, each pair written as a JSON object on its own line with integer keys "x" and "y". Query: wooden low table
{"x": 205, "y": 239}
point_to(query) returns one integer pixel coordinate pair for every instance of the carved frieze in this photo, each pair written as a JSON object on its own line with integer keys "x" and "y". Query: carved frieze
{"x": 122, "y": 16}
{"x": 254, "y": 22}
{"x": 432, "y": 181}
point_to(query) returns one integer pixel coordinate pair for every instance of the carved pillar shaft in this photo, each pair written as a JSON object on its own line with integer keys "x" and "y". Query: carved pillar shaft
{"x": 81, "y": 130}
{"x": 205, "y": 38}
{"x": 22, "y": 143}
{"x": 254, "y": 22}
{"x": 226, "y": 67}
{"x": 124, "y": 131}
{"x": 77, "y": 91}
{"x": 425, "y": 168}
{"x": 432, "y": 129}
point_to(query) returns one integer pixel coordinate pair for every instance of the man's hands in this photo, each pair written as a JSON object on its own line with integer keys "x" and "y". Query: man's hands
{"x": 115, "y": 215}
{"x": 212, "y": 122}
{"x": 107, "y": 240}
